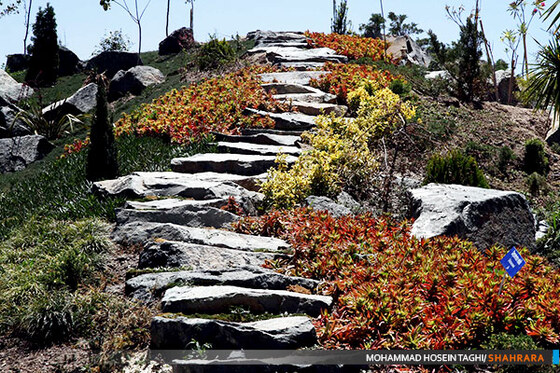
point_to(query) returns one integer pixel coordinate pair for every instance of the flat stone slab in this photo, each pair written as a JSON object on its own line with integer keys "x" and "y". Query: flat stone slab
{"x": 291, "y": 54}
{"x": 270, "y": 131}
{"x": 241, "y": 164}
{"x": 221, "y": 299}
{"x": 279, "y": 333}
{"x": 199, "y": 257}
{"x": 287, "y": 88}
{"x": 268, "y": 36}
{"x": 319, "y": 108}
{"x": 292, "y": 77}
{"x": 256, "y": 149}
{"x": 140, "y": 233}
{"x": 286, "y": 121}
{"x": 261, "y": 138}
{"x": 149, "y": 286}
{"x": 302, "y": 66}
{"x": 182, "y": 214}
{"x": 483, "y": 216}
{"x": 202, "y": 186}
{"x": 319, "y": 97}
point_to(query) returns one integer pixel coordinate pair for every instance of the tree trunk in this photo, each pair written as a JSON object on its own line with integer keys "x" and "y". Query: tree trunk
{"x": 192, "y": 16}
{"x": 510, "y": 88}
{"x": 139, "y": 38}
{"x": 490, "y": 61}
{"x": 167, "y": 19}
{"x": 525, "y": 59}
{"x": 27, "y": 28}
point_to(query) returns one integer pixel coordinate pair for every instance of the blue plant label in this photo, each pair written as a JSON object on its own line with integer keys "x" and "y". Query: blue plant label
{"x": 512, "y": 262}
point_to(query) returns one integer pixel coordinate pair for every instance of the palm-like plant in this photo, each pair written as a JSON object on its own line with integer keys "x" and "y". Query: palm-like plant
{"x": 554, "y": 12}
{"x": 544, "y": 85}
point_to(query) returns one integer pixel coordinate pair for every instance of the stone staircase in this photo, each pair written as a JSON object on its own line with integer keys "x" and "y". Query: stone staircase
{"x": 190, "y": 263}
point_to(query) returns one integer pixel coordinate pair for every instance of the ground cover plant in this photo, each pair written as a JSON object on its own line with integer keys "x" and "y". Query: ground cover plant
{"x": 353, "y": 47}
{"x": 187, "y": 115}
{"x": 395, "y": 291}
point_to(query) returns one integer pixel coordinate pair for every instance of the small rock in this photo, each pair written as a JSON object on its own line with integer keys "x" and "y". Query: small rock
{"x": 327, "y": 204}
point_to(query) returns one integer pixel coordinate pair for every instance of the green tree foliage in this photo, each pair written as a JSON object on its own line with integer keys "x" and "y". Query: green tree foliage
{"x": 397, "y": 27}
{"x": 455, "y": 168}
{"x": 340, "y": 24}
{"x": 535, "y": 159}
{"x": 115, "y": 41}
{"x": 374, "y": 27}
{"x": 468, "y": 63}
{"x": 43, "y": 65}
{"x": 102, "y": 154}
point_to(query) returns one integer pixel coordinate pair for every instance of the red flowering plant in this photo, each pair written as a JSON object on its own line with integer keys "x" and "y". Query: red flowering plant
{"x": 392, "y": 290}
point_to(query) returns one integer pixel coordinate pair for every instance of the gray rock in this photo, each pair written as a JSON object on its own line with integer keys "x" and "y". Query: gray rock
{"x": 484, "y": 216}
{"x": 199, "y": 257}
{"x": 440, "y": 74}
{"x": 406, "y": 50}
{"x": 10, "y": 126}
{"x": 302, "y": 66}
{"x": 349, "y": 202}
{"x": 503, "y": 80}
{"x": 221, "y": 298}
{"x": 140, "y": 233}
{"x": 111, "y": 62}
{"x": 318, "y": 108}
{"x": 319, "y": 97}
{"x": 179, "y": 40}
{"x": 542, "y": 229}
{"x": 81, "y": 102}
{"x": 68, "y": 62}
{"x": 267, "y": 37}
{"x": 256, "y": 149}
{"x": 11, "y": 91}
{"x": 134, "y": 81}
{"x": 287, "y": 88}
{"x": 241, "y": 164}
{"x": 260, "y": 138}
{"x": 149, "y": 286}
{"x": 292, "y": 77}
{"x": 188, "y": 215}
{"x": 286, "y": 121}
{"x": 200, "y": 186}
{"x": 291, "y": 54}
{"x": 17, "y": 153}
{"x": 327, "y": 204}
{"x": 278, "y": 333}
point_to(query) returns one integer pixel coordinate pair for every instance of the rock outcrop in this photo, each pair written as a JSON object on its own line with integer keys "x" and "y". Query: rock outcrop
{"x": 111, "y": 62}
{"x": 81, "y": 102}
{"x": 181, "y": 39}
{"x": 18, "y": 152}
{"x": 134, "y": 81}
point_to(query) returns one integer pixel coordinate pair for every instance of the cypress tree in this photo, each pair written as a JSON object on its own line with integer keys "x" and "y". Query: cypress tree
{"x": 43, "y": 65}
{"x": 102, "y": 155}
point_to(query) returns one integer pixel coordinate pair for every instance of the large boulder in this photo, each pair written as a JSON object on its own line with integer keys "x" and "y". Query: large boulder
{"x": 68, "y": 62}
{"x": 11, "y": 91}
{"x": 134, "y": 81}
{"x": 11, "y": 126}
{"x": 486, "y": 217}
{"x": 111, "y": 62}
{"x": 179, "y": 40}
{"x": 18, "y": 152}
{"x": 404, "y": 49}
{"x": 81, "y": 102}
{"x": 503, "y": 81}
{"x": 17, "y": 62}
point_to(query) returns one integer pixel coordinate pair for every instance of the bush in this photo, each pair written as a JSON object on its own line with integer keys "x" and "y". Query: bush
{"x": 102, "y": 153}
{"x": 115, "y": 41}
{"x": 215, "y": 53}
{"x": 400, "y": 87}
{"x": 505, "y": 157}
{"x": 394, "y": 291}
{"x": 455, "y": 168}
{"x": 43, "y": 64}
{"x": 536, "y": 184}
{"x": 535, "y": 159}
{"x": 510, "y": 342}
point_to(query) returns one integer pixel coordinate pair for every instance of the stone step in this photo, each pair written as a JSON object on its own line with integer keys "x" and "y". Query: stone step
{"x": 270, "y": 131}
{"x": 141, "y": 233}
{"x": 241, "y": 164}
{"x": 286, "y": 121}
{"x": 276, "y": 36}
{"x": 260, "y": 138}
{"x": 287, "y": 88}
{"x": 222, "y": 298}
{"x": 204, "y": 185}
{"x": 181, "y": 214}
{"x": 256, "y": 149}
{"x": 199, "y": 257}
{"x": 303, "y": 65}
{"x": 292, "y": 77}
{"x": 149, "y": 286}
{"x": 286, "y": 44}
{"x": 279, "y": 333}
{"x": 291, "y": 54}
{"x": 317, "y": 108}
{"x": 307, "y": 97}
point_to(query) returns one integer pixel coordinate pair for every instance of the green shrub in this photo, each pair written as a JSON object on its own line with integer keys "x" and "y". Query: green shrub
{"x": 505, "y": 157}
{"x": 536, "y": 184}
{"x": 399, "y": 87}
{"x": 510, "y": 342}
{"x": 455, "y": 168}
{"x": 215, "y": 53}
{"x": 479, "y": 151}
{"x": 535, "y": 159}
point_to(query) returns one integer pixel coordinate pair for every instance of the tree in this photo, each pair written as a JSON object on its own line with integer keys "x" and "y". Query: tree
{"x": 554, "y": 12}
{"x": 43, "y": 65}
{"x": 167, "y": 18}
{"x": 9, "y": 7}
{"x": 116, "y": 41}
{"x": 469, "y": 54}
{"x": 397, "y": 26}
{"x": 135, "y": 14}
{"x": 340, "y": 24}
{"x": 27, "y": 20}
{"x": 374, "y": 27}
{"x": 102, "y": 155}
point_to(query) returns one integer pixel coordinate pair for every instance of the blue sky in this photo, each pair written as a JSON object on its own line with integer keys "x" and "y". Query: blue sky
{"x": 82, "y": 23}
